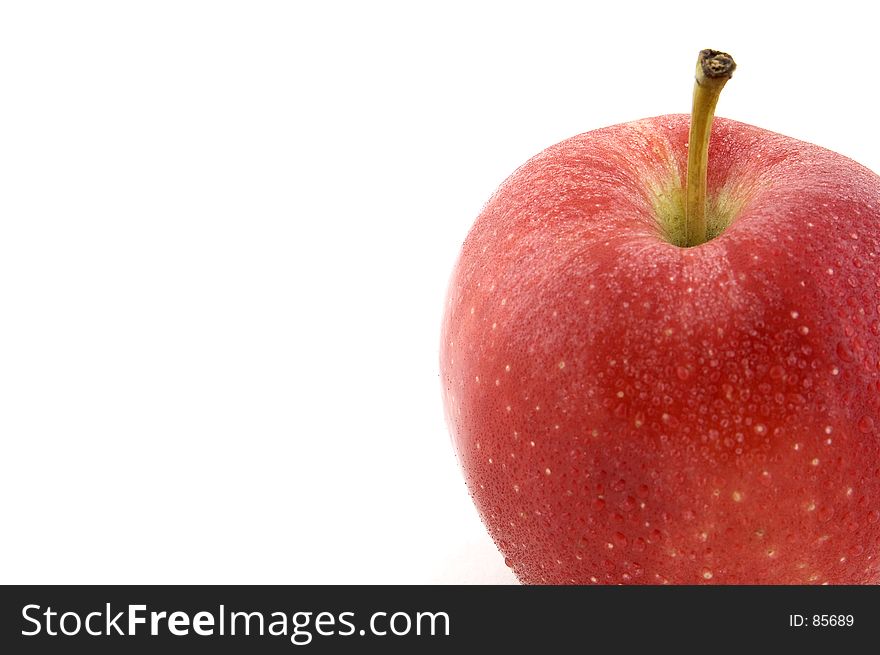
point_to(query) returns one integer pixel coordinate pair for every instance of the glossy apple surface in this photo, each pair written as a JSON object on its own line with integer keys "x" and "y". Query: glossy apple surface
{"x": 626, "y": 410}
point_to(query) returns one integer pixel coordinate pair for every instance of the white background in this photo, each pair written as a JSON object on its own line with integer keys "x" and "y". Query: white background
{"x": 226, "y": 230}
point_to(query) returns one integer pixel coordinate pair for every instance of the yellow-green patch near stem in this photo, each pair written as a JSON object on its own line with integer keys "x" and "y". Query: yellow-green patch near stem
{"x": 669, "y": 209}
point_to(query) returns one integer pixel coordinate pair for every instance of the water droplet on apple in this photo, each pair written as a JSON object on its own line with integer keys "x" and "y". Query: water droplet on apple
{"x": 777, "y": 372}
{"x": 670, "y": 420}
{"x": 844, "y": 352}
{"x": 682, "y": 372}
{"x": 866, "y": 424}
{"x": 825, "y": 513}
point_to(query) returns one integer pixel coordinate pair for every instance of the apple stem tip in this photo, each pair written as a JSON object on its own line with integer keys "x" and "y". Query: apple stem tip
{"x": 715, "y": 63}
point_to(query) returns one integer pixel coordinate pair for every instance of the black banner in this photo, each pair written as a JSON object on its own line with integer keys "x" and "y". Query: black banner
{"x": 339, "y": 619}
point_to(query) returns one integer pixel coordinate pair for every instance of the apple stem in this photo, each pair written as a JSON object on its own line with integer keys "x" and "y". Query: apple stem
{"x": 714, "y": 68}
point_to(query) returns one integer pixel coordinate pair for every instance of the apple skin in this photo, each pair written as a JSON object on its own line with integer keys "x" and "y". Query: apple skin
{"x": 629, "y": 411}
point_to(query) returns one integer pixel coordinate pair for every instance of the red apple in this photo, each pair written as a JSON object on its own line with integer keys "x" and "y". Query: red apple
{"x": 628, "y": 410}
